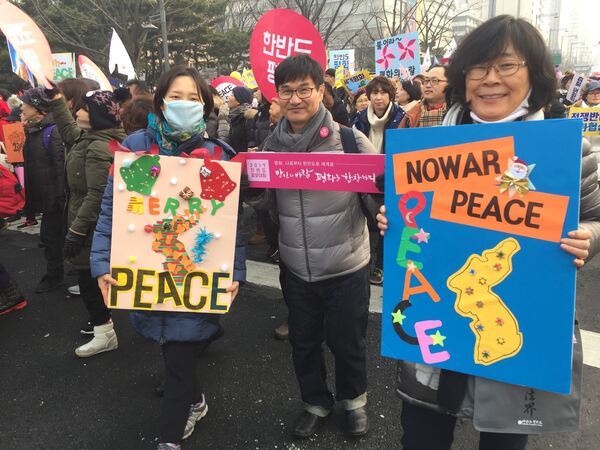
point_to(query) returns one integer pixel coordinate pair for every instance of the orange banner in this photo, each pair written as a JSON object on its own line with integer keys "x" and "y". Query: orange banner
{"x": 536, "y": 214}
{"x": 437, "y": 168}
{"x": 28, "y": 40}
{"x": 14, "y": 140}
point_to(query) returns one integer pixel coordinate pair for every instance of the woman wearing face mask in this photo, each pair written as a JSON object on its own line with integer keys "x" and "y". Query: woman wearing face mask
{"x": 182, "y": 102}
{"x": 509, "y": 80}
{"x": 86, "y": 165}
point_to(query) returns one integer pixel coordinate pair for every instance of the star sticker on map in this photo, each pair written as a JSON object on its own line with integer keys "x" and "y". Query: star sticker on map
{"x": 469, "y": 291}
{"x": 500, "y": 341}
{"x": 410, "y": 266}
{"x": 482, "y": 281}
{"x": 422, "y": 236}
{"x": 485, "y": 354}
{"x": 479, "y": 327}
{"x": 398, "y": 317}
{"x": 479, "y": 304}
{"x": 472, "y": 272}
{"x": 497, "y": 267}
{"x": 437, "y": 338}
{"x": 499, "y": 321}
{"x": 500, "y": 255}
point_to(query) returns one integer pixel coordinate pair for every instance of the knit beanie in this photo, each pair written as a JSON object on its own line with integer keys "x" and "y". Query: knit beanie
{"x": 242, "y": 94}
{"x": 103, "y": 109}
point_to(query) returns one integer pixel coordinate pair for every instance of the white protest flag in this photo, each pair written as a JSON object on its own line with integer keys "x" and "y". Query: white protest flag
{"x": 426, "y": 61}
{"x": 450, "y": 49}
{"x": 119, "y": 57}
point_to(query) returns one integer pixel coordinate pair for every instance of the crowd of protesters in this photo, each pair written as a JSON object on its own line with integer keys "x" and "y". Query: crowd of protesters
{"x": 328, "y": 248}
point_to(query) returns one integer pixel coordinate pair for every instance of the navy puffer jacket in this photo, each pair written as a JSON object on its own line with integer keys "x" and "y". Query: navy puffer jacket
{"x": 158, "y": 326}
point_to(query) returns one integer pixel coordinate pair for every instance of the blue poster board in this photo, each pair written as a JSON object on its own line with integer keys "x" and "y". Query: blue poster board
{"x": 398, "y": 56}
{"x": 475, "y": 280}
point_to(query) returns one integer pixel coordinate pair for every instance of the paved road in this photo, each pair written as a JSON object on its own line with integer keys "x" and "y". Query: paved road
{"x": 50, "y": 399}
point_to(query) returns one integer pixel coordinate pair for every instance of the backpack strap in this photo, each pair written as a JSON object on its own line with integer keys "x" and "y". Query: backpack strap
{"x": 348, "y": 140}
{"x": 47, "y": 136}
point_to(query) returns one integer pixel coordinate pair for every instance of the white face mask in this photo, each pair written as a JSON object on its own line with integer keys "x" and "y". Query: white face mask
{"x": 184, "y": 116}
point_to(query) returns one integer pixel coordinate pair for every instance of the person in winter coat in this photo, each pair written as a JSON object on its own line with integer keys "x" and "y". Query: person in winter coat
{"x": 87, "y": 164}
{"x": 335, "y": 106}
{"x": 241, "y": 117}
{"x": 261, "y": 125}
{"x": 182, "y": 103}
{"x": 517, "y": 64}
{"x": 381, "y": 114}
{"x": 360, "y": 102}
{"x": 408, "y": 95}
{"x": 44, "y": 157}
{"x": 324, "y": 250}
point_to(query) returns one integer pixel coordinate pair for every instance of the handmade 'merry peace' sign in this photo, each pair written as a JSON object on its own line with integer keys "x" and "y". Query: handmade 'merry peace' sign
{"x": 174, "y": 232}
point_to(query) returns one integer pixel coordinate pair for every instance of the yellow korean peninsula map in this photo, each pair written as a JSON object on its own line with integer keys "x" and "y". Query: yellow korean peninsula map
{"x": 496, "y": 329}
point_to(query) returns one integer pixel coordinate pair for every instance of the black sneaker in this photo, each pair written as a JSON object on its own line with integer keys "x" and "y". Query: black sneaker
{"x": 87, "y": 329}
{"x": 11, "y": 299}
{"x": 48, "y": 283}
{"x": 376, "y": 276}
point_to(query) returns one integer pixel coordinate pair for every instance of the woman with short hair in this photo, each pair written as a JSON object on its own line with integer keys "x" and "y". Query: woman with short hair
{"x": 511, "y": 78}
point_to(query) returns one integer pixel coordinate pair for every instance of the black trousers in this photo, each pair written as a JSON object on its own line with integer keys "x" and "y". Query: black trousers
{"x": 52, "y": 236}
{"x": 341, "y": 307}
{"x": 92, "y": 298}
{"x": 182, "y": 388}
{"x": 425, "y": 429}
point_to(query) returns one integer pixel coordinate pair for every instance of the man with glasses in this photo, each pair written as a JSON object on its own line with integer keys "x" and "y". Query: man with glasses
{"x": 433, "y": 107}
{"x": 324, "y": 251}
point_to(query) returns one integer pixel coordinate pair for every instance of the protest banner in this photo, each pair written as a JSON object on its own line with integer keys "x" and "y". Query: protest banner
{"x": 313, "y": 171}
{"x": 248, "y": 79}
{"x": 28, "y": 41}
{"x": 278, "y": 34}
{"x": 224, "y": 85}
{"x": 90, "y": 70}
{"x": 357, "y": 81}
{"x": 476, "y": 281}
{"x": 590, "y": 117}
{"x": 118, "y": 58}
{"x": 339, "y": 58}
{"x": 340, "y": 73}
{"x": 174, "y": 232}
{"x": 14, "y": 140}
{"x": 398, "y": 52}
{"x": 18, "y": 65}
{"x": 64, "y": 66}
{"x": 575, "y": 88}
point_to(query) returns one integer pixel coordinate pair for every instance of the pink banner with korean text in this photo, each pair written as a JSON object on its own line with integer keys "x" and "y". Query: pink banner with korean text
{"x": 313, "y": 171}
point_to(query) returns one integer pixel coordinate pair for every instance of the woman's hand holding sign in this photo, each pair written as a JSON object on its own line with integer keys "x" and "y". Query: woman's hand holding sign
{"x": 578, "y": 245}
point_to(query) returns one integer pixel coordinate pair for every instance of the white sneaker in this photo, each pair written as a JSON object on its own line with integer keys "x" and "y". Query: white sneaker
{"x": 197, "y": 412}
{"x": 74, "y": 290}
{"x": 105, "y": 340}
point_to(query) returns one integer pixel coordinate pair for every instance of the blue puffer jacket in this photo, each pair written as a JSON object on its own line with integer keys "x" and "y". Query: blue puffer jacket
{"x": 361, "y": 121}
{"x": 159, "y": 326}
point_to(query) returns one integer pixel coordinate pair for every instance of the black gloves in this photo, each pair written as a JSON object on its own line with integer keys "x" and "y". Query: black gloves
{"x": 380, "y": 182}
{"x": 51, "y": 93}
{"x": 73, "y": 244}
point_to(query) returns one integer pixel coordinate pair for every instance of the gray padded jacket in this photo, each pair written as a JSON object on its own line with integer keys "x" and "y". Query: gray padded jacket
{"x": 323, "y": 234}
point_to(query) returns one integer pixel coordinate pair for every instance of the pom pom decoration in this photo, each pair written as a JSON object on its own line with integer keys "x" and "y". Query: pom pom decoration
{"x": 203, "y": 238}
{"x": 148, "y": 228}
{"x": 131, "y": 227}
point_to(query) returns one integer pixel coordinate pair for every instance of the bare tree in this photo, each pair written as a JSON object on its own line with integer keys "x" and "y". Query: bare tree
{"x": 432, "y": 19}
